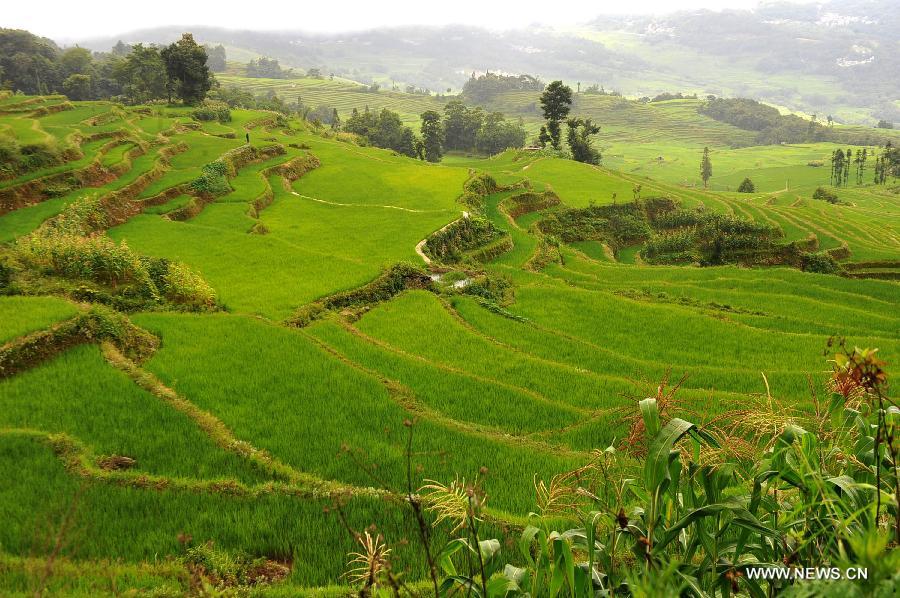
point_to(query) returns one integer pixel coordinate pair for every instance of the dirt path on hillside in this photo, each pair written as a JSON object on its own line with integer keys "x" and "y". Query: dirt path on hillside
{"x": 365, "y": 205}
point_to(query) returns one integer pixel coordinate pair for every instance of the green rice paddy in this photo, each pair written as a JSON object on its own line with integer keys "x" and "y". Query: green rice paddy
{"x": 528, "y": 389}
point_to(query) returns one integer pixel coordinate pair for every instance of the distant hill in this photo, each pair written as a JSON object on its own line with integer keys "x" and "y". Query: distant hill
{"x": 833, "y": 58}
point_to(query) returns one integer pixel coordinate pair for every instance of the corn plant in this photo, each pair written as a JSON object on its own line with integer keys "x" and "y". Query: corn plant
{"x": 692, "y": 518}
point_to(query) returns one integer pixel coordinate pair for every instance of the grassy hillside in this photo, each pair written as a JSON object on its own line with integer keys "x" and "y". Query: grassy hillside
{"x": 343, "y": 94}
{"x": 250, "y": 416}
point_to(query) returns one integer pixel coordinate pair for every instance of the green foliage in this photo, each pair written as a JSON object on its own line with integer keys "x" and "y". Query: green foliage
{"x": 556, "y": 101}
{"x": 382, "y": 130}
{"x": 695, "y": 514}
{"x": 710, "y": 239}
{"x": 187, "y": 75}
{"x": 80, "y": 218}
{"x": 824, "y": 194}
{"x": 432, "y": 136}
{"x": 470, "y": 129}
{"x": 268, "y": 68}
{"x": 181, "y": 285}
{"x": 498, "y": 134}
{"x": 142, "y": 74}
{"x": 821, "y": 263}
{"x": 705, "y": 167}
{"x": 485, "y": 87}
{"x": 525, "y": 203}
{"x": 28, "y": 62}
{"x": 772, "y": 127}
{"x": 746, "y": 186}
{"x": 618, "y": 225}
{"x": 450, "y": 244}
{"x": 216, "y": 58}
{"x": 579, "y": 139}
{"x": 64, "y": 252}
{"x": 222, "y": 570}
{"x": 18, "y": 159}
{"x": 461, "y": 125}
{"x": 5, "y": 275}
{"x": 496, "y": 289}
{"x": 212, "y": 110}
{"x": 394, "y": 280}
{"x": 213, "y": 180}
{"x": 481, "y": 184}
{"x": 78, "y": 87}
{"x": 92, "y": 258}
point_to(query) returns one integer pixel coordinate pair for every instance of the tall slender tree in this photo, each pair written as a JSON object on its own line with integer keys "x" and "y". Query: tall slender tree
{"x": 860, "y": 162}
{"x": 848, "y": 157}
{"x": 705, "y": 167}
{"x": 837, "y": 167}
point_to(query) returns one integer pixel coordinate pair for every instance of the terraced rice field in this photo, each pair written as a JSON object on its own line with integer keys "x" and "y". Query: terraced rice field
{"x": 343, "y": 95}
{"x": 244, "y": 427}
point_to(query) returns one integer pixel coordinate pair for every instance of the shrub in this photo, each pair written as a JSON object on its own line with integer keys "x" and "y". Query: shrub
{"x": 825, "y": 195}
{"x": 222, "y": 570}
{"x": 746, "y": 186}
{"x": 16, "y": 160}
{"x": 617, "y": 224}
{"x": 530, "y": 201}
{"x": 184, "y": 286}
{"x": 497, "y": 289}
{"x": 99, "y": 259}
{"x": 450, "y": 244}
{"x": 212, "y": 110}
{"x": 821, "y": 263}
{"x": 81, "y": 217}
{"x": 95, "y": 258}
{"x": 214, "y": 179}
{"x": 5, "y": 275}
{"x": 679, "y": 241}
{"x": 397, "y": 278}
{"x": 481, "y": 184}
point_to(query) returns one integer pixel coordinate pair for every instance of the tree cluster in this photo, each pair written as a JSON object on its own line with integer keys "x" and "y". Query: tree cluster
{"x": 134, "y": 74}
{"x": 844, "y": 163}
{"x": 383, "y": 129}
{"x": 665, "y": 96}
{"x": 556, "y": 103}
{"x": 36, "y": 65}
{"x": 772, "y": 127}
{"x": 267, "y": 68}
{"x": 471, "y": 129}
{"x": 484, "y": 88}
{"x": 887, "y": 165}
{"x": 215, "y": 58}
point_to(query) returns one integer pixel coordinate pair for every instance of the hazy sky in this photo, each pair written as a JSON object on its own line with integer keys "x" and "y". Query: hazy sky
{"x": 67, "y": 20}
